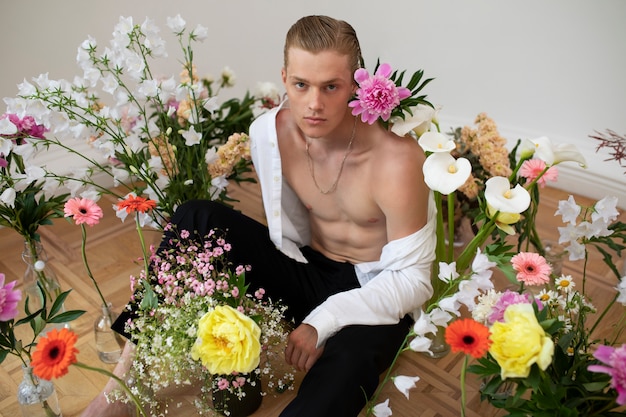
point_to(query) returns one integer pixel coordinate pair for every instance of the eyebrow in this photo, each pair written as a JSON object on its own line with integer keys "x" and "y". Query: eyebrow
{"x": 331, "y": 81}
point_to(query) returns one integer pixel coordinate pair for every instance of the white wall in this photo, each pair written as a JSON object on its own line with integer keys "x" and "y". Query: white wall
{"x": 551, "y": 67}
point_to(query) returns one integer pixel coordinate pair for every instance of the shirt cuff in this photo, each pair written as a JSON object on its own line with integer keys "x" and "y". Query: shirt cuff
{"x": 324, "y": 322}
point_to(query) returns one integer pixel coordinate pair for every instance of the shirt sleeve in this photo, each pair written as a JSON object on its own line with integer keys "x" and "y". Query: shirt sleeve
{"x": 398, "y": 284}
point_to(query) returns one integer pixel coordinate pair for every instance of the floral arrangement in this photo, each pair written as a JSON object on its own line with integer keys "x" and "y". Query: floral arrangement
{"x": 56, "y": 352}
{"x": 37, "y": 320}
{"x": 151, "y": 135}
{"x": 194, "y": 320}
{"x": 543, "y": 347}
{"x": 15, "y": 340}
{"x": 504, "y": 188}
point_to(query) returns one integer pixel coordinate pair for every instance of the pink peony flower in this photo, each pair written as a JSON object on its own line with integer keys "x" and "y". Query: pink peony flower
{"x": 83, "y": 210}
{"x": 506, "y": 299}
{"x": 532, "y": 268}
{"x": 532, "y": 168}
{"x": 615, "y": 361}
{"x": 377, "y": 95}
{"x": 9, "y": 298}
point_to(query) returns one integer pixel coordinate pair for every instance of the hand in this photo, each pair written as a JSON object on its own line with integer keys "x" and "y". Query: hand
{"x": 301, "y": 352}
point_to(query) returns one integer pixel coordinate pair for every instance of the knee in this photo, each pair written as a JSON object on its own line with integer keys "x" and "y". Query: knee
{"x": 192, "y": 208}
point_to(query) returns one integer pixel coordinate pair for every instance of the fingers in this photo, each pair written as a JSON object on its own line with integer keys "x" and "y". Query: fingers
{"x": 300, "y": 359}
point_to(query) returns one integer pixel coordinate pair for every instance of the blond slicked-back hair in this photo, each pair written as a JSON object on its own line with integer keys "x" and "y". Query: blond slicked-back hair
{"x": 322, "y": 33}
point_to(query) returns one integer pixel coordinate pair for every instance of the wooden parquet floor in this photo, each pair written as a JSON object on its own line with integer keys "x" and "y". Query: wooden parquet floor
{"x": 113, "y": 249}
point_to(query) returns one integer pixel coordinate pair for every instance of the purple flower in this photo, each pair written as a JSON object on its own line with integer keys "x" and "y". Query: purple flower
{"x": 8, "y": 299}
{"x": 615, "y": 359}
{"x": 377, "y": 95}
{"x": 506, "y": 299}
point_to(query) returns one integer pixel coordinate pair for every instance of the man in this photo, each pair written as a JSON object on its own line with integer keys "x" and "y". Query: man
{"x": 350, "y": 229}
{"x": 348, "y": 210}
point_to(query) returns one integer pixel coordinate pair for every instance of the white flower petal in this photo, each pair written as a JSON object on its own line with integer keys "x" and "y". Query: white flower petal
{"x": 445, "y": 174}
{"x": 405, "y": 383}
{"x": 501, "y": 197}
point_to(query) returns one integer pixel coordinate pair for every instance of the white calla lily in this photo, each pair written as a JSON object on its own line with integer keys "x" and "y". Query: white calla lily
{"x": 564, "y": 152}
{"x": 445, "y": 174}
{"x": 526, "y": 149}
{"x": 555, "y": 154}
{"x": 436, "y": 142}
{"x": 501, "y": 197}
{"x": 420, "y": 122}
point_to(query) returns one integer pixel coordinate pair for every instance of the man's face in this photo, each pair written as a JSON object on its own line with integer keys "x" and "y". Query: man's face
{"x": 319, "y": 87}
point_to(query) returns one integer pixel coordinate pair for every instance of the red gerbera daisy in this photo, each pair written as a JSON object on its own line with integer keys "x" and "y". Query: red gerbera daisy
{"x": 83, "y": 210}
{"x": 468, "y": 336}
{"x": 532, "y": 268}
{"x": 54, "y": 354}
{"x": 134, "y": 203}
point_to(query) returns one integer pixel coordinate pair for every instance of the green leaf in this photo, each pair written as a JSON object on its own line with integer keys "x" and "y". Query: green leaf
{"x": 38, "y": 324}
{"x": 58, "y": 302}
{"x": 66, "y": 317}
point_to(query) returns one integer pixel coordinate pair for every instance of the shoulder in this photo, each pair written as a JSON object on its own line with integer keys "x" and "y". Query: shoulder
{"x": 398, "y": 154}
{"x": 264, "y": 121}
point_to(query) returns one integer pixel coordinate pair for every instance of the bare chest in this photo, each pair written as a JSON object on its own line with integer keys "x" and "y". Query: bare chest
{"x": 335, "y": 189}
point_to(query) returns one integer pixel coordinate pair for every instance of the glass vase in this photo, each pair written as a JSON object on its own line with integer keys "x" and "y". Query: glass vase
{"x": 438, "y": 347}
{"x": 39, "y": 279}
{"x": 109, "y": 343}
{"x": 240, "y": 402}
{"x": 37, "y": 397}
{"x": 555, "y": 255}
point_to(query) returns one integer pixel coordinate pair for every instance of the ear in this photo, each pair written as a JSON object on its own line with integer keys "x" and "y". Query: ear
{"x": 283, "y": 75}
{"x": 355, "y": 87}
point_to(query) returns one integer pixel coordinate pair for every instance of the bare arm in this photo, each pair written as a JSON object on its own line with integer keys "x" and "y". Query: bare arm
{"x": 400, "y": 191}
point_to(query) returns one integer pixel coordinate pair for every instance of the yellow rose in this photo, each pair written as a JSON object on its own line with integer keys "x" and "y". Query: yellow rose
{"x": 227, "y": 341}
{"x": 520, "y": 341}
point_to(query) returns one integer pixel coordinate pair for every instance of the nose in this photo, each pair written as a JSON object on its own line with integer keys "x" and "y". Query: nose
{"x": 315, "y": 100}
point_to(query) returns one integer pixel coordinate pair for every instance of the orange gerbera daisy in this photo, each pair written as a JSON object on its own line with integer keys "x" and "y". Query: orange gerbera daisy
{"x": 54, "y": 354}
{"x": 134, "y": 203}
{"x": 468, "y": 336}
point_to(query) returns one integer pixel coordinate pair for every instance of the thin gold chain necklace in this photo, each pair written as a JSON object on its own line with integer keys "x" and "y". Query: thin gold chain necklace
{"x": 333, "y": 187}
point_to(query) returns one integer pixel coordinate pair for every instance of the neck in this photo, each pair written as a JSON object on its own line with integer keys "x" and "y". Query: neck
{"x": 338, "y": 138}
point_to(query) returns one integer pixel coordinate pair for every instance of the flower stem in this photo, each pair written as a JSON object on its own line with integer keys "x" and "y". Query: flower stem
{"x": 451, "y": 213}
{"x": 119, "y": 381}
{"x": 468, "y": 253}
{"x": 143, "y": 243}
{"x": 41, "y": 277}
{"x": 463, "y": 391}
{"x": 387, "y": 377}
{"x": 89, "y": 273}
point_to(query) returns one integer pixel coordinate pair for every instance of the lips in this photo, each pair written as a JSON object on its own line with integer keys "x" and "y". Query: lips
{"x": 314, "y": 120}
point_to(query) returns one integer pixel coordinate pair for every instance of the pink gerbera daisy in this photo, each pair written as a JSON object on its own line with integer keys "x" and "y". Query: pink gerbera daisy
{"x": 377, "y": 95}
{"x": 83, "y": 210}
{"x": 9, "y": 298}
{"x": 531, "y": 268}
{"x": 532, "y": 168}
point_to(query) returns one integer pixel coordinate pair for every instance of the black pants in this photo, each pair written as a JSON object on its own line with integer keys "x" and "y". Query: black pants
{"x": 348, "y": 371}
